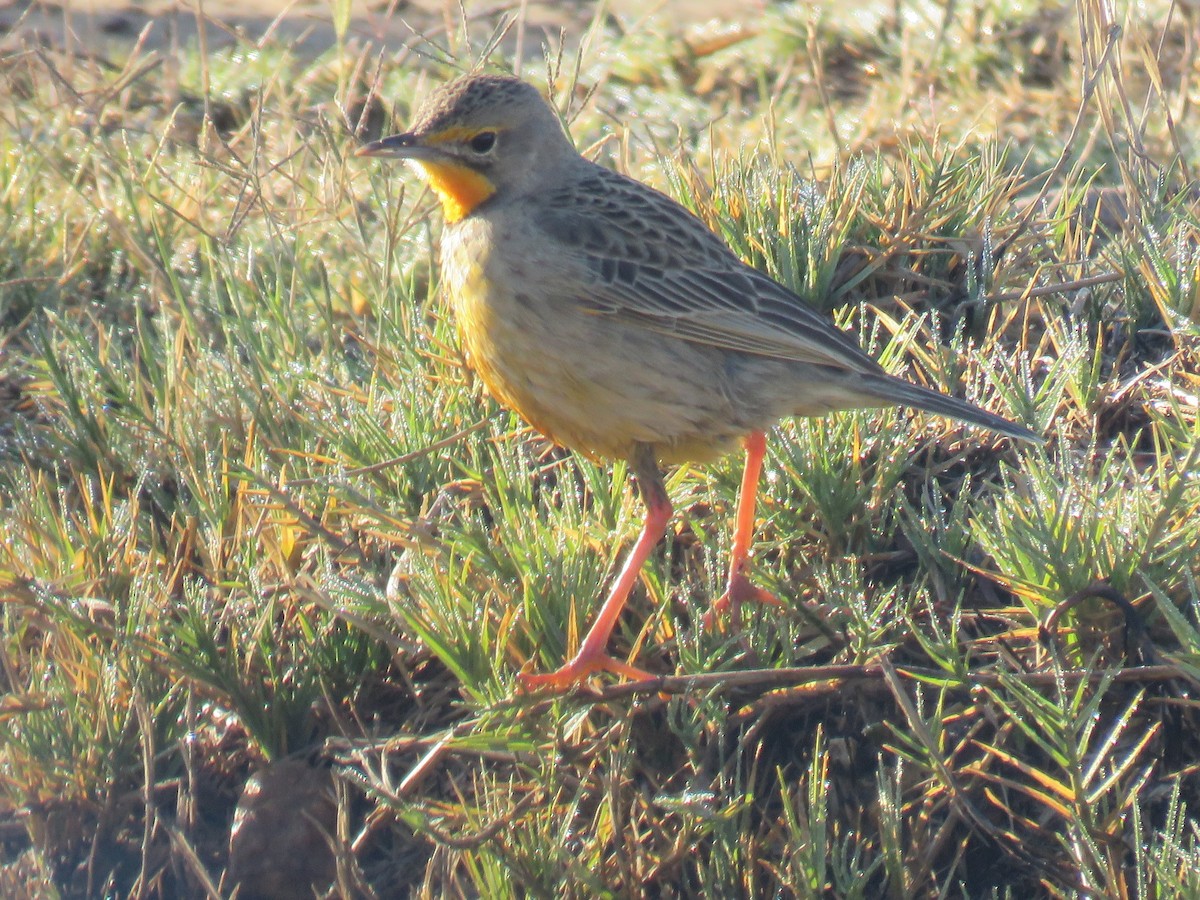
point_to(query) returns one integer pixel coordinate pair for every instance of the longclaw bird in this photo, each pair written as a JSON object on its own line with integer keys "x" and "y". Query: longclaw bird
{"x": 616, "y": 323}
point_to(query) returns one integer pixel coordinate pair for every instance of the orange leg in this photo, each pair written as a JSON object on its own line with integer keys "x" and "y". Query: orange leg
{"x": 739, "y": 588}
{"x": 592, "y": 656}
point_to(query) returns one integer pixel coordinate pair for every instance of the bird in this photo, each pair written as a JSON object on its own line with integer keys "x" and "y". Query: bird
{"x": 620, "y": 326}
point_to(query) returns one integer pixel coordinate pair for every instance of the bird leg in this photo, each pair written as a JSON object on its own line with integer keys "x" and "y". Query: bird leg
{"x": 593, "y": 656}
{"x": 739, "y": 588}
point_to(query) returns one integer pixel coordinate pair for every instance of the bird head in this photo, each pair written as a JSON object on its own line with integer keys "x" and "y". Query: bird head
{"x": 479, "y": 137}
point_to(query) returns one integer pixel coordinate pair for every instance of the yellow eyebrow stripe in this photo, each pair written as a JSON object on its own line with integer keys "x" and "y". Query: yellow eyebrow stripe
{"x": 454, "y": 133}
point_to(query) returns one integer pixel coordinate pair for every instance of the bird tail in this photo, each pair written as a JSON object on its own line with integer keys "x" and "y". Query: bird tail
{"x": 896, "y": 390}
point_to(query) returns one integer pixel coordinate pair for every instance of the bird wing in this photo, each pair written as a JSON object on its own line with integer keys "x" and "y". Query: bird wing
{"x": 654, "y": 263}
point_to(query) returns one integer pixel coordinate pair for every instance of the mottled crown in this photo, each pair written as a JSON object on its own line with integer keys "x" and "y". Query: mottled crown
{"x": 462, "y": 99}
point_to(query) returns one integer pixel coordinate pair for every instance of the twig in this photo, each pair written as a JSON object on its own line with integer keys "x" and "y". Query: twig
{"x": 771, "y": 679}
{"x": 1042, "y": 290}
{"x": 399, "y": 460}
{"x": 1135, "y": 627}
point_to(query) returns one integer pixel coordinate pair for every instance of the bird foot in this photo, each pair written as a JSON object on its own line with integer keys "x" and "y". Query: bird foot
{"x": 740, "y": 590}
{"x": 578, "y": 670}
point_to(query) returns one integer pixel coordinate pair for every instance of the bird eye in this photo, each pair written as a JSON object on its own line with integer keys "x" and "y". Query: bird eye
{"x": 483, "y": 142}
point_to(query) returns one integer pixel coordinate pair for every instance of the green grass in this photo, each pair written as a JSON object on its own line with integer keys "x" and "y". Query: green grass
{"x": 252, "y": 507}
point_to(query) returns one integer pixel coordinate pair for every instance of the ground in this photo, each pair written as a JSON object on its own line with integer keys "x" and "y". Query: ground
{"x": 390, "y": 26}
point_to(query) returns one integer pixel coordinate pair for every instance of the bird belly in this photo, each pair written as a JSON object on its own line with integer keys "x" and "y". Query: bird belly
{"x": 593, "y": 384}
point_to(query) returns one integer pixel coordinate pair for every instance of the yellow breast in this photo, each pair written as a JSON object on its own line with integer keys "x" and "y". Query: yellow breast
{"x": 501, "y": 344}
{"x": 595, "y": 385}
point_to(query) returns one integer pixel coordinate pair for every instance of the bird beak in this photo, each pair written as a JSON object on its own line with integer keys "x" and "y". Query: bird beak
{"x": 398, "y": 146}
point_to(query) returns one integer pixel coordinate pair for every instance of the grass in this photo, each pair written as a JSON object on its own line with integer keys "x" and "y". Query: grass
{"x": 254, "y": 511}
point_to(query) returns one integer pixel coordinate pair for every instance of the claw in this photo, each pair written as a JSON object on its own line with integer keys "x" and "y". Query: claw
{"x": 740, "y": 590}
{"x": 579, "y": 670}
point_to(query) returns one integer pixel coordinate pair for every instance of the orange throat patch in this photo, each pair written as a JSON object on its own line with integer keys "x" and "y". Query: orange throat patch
{"x": 460, "y": 189}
